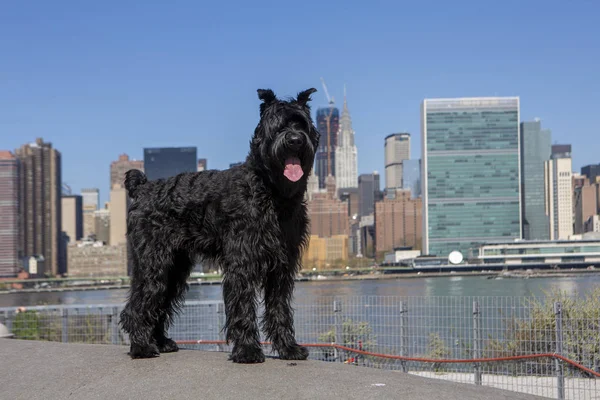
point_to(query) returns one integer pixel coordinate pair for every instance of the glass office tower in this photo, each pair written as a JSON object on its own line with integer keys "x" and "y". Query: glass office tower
{"x": 471, "y": 180}
{"x": 535, "y": 151}
{"x": 164, "y": 162}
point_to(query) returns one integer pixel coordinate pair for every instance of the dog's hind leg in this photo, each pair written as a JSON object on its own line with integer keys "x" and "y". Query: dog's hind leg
{"x": 174, "y": 299}
{"x": 239, "y": 294}
{"x": 278, "y": 320}
{"x": 145, "y": 307}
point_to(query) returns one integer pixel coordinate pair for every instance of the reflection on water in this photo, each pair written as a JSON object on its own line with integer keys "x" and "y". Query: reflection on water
{"x": 305, "y": 291}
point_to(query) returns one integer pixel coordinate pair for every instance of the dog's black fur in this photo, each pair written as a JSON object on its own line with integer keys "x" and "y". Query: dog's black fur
{"x": 250, "y": 220}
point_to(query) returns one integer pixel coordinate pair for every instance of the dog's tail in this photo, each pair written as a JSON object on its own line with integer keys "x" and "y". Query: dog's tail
{"x": 133, "y": 179}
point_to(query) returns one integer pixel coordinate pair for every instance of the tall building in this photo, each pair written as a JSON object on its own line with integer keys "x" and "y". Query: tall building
{"x": 592, "y": 172}
{"x": 397, "y": 149}
{"x": 91, "y": 203}
{"x": 411, "y": 177}
{"x": 559, "y": 192}
{"x": 471, "y": 187}
{"x": 164, "y": 162}
{"x": 312, "y": 186}
{"x": 346, "y": 164}
{"x": 368, "y": 193}
{"x": 119, "y": 205}
{"x": 586, "y": 201}
{"x": 328, "y": 124}
{"x": 535, "y": 151}
{"x": 398, "y": 222}
{"x": 10, "y": 215}
{"x": 72, "y": 217}
{"x": 102, "y": 225}
{"x": 122, "y": 165}
{"x": 40, "y": 185}
{"x": 328, "y": 215}
{"x": 202, "y": 164}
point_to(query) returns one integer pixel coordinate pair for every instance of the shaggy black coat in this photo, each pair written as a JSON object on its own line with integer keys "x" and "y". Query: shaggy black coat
{"x": 250, "y": 220}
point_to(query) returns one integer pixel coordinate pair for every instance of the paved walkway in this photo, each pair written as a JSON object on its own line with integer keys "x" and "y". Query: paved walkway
{"x": 47, "y": 371}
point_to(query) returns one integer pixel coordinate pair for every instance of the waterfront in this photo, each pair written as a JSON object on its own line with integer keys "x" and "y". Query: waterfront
{"x": 426, "y": 286}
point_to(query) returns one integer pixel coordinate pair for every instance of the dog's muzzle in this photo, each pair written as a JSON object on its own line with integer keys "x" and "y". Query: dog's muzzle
{"x": 294, "y": 141}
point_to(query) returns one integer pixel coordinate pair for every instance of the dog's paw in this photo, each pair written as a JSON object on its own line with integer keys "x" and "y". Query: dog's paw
{"x": 168, "y": 346}
{"x": 295, "y": 352}
{"x": 149, "y": 351}
{"x": 247, "y": 355}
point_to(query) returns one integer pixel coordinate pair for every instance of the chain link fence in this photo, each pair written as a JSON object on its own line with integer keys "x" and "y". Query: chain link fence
{"x": 443, "y": 334}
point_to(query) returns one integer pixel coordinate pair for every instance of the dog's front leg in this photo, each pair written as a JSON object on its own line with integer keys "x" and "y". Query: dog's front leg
{"x": 278, "y": 320}
{"x": 239, "y": 294}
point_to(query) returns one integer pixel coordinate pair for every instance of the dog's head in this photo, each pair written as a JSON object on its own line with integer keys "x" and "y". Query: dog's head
{"x": 285, "y": 141}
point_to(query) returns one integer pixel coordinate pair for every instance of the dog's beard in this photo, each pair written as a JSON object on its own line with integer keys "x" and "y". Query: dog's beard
{"x": 293, "y": 164}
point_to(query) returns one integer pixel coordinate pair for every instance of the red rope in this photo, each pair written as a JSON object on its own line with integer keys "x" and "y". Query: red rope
{"x": 419, "y": 359}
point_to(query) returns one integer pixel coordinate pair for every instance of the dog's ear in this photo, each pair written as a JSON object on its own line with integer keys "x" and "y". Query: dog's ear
{"x": 304, "y": 97}
{"x": 267, "y": 96}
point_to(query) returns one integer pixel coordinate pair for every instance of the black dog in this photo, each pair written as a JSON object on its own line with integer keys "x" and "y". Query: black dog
{"x": 251, "y": 220}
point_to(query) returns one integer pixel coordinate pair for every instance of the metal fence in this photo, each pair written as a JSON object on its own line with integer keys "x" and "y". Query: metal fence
{"x": 435, "y": 337}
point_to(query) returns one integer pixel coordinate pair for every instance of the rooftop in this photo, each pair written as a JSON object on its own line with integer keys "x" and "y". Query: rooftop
{"x": 6, "y": 155}
{"x": 88, "y": 371}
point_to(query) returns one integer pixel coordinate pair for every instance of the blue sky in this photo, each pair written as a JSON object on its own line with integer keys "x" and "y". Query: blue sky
{"x": 98, "y": 79}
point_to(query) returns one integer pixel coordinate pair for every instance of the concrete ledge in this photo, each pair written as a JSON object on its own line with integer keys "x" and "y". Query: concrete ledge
{"x": 44, "y": 370}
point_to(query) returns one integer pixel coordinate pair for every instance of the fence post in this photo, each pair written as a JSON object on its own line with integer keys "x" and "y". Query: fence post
{"x": 8, "y": 322}
{"x": 476, "y": 342}
{"x": 337, "y": 310}
{"x": 560, "y": 378}
{"x": 114, "y": 322}
{"x": 221, "y": 323}
{"x": 403, "y": 335}
{"x": 65, "y": 325}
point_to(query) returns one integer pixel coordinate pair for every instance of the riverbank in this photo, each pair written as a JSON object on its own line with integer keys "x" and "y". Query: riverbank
{"x": 349, "y": 276}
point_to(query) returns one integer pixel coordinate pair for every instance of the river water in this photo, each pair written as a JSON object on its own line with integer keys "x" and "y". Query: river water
{"x": 306, "y": 291}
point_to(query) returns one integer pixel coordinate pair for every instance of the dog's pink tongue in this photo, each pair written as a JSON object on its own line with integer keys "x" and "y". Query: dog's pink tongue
{"x": 293, "y": 170}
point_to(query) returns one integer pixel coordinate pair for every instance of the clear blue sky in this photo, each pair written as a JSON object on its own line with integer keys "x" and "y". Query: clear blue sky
{"x": 102, "y": 78}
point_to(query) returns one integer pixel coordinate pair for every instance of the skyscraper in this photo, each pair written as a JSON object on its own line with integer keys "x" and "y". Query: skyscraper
{"x": 72, "y": 217}
{"x": 346, "y": 167}
{"x": 368, "y": 190}
{"x": 122, "y": 165}
{"x": 202, "y": 164}
{"x": 10, "y": 215}
{"x": 164, "y": 162}
{"x": 411, "y": 177}
{"x": 559, "y": 192}
{"x": 397, "y": 149}
{"x": 91, "y": 203}
{"x": 535, "y": 151}
{"x": 591, "y": 171}
{"x": 328, "y": 126}
{"x": 471, "y": 187}
{"x": 40, "y": 186}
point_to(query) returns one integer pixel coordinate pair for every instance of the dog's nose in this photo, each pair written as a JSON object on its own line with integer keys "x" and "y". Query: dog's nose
{"x": 295, "y": 141}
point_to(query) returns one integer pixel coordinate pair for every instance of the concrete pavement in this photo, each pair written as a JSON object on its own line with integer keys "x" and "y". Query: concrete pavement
{"x": 44, "y": 370}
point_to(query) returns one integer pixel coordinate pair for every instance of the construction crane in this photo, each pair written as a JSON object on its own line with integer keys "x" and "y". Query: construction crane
{"x": 331, "y": 103}
{"x": 330, "y": 100}
{"x": 66, "y": 189}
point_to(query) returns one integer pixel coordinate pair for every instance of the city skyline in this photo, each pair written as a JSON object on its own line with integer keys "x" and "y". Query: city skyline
{"x": 163, "y": 92}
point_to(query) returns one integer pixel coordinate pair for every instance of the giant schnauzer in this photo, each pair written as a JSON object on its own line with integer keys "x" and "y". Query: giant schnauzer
{"x": 251, "y": 220}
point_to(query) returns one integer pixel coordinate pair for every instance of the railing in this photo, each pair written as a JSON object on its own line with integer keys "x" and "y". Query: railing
{"x": 544, "y": 346}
